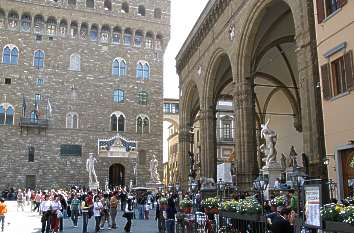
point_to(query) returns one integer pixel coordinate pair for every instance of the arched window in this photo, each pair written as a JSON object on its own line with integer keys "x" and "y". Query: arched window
{"x": 146, "y": 71}
{"x": 141, "y": 10}
{"x": 2, "y": 115}
{"x": 63, "y": 26}
{"x": 10, "y": 55}
{"x": 90, "y": 3}
{"x": 118, "y": 122}
{"x": 13, "y": 20}
{"x": 146, "y": 125}
{"x": 142, "y": 71}
{"x": 117, "y": 33}
{"x": 142, "y": 97}
{"x": 73, "y": 29}
{"x": 125, "y": 7}
{"x": 38, "y": 24}
{"x": 118, "y": 96}
{"x": 119, "y": 67}
{"x": 105, "y": 33}
{"x": 121, "y": 123}
{"x": 149, "y": 40}
{"x": 14, "y": 56}
{"x": 84, "y": 31}
{"x": 72, "y": 2}
{"x": 72, "y": 120}
{"x": 157, "y": 13}
{"x": 26, "y": 22}
{"x": 107, "y": 5}
{"x": 75, "y": 62}
{"x": 94, "y": 32}
{"x": 139, "y": 125}
{"x": 38, "y": 59}
{"x": 114, "y": 122}
{"x": 51, "y": 26}
{"x": 158, "y": 42}
{"x": 6, "y": 55}
{"x": 138, "y": 38}
{"x": 2, "y": 19}
{"x": 127, "y": 37}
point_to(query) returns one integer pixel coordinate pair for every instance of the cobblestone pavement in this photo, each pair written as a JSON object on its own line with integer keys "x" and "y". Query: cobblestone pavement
{"x": 29, "y": 222}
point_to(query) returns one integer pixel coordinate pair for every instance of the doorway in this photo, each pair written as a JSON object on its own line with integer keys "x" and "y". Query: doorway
{"x": 116, "y": 175}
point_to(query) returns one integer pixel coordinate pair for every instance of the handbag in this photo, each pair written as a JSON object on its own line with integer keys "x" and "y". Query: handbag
{"x": 59, "y": 214}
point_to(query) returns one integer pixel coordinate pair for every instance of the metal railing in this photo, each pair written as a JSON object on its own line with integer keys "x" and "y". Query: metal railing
{"x": 35, "y": 123}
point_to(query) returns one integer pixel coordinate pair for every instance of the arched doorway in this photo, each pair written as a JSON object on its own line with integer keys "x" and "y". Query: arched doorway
{"x": 116, "y": 175}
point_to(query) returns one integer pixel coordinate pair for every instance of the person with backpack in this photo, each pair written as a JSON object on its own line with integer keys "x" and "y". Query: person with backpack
{"x": 128, "y": 213}
{"x": 75, "y": 209}
{"x": 113, "y": 209}
{"x": 3, "y": 211}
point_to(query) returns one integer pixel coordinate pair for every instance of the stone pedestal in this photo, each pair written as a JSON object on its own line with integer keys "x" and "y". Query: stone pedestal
{"x": 273, "y": 171}
{"x": 94, "y": 185}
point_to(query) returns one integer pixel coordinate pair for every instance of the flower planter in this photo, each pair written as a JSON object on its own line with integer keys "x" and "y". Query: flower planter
{"x": 233, "y": 215}
{"x": 186, "y": 210}
{"x": 211, "y": 210}
{"x": 339, "y": 227}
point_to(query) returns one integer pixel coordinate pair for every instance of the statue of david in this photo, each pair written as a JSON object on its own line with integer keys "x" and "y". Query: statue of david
{"x": 90, "y": 168}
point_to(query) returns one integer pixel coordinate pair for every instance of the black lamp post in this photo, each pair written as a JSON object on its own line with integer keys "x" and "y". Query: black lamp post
{"x": 298, "y": 180}
{"x": 260, "y": 184}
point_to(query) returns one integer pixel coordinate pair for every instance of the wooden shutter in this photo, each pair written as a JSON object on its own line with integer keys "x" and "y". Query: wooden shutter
{"x": 342, "y": 2}
{"x": 320, "y": 10}
{"x": 348, "y": 66}
{"x": 326, "y": 79}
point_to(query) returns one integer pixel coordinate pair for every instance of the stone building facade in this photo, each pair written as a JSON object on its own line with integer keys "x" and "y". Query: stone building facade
{"x": 73, "y": 72}
{"x": 264, "y": 52}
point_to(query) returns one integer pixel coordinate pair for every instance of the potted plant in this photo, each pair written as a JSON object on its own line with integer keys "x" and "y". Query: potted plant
{"x": 338, "y": 218}
{"x": 185, "y": 206}
{"x": 211, "y": 205}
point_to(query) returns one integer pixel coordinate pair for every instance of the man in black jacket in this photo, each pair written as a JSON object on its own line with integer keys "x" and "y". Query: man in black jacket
{"x": 280, "y": 223}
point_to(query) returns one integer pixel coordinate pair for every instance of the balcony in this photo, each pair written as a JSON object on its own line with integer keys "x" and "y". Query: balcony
{"x": 33, "y": 123}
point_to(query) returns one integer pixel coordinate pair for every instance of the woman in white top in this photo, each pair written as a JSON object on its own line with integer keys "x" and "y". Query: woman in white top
{"x": 56, "y": 207}
{"x": 97, "y": 208}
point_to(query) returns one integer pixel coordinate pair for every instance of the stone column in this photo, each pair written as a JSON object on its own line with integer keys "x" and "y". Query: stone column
{"x": 208, "y": 143}
{"x": 245, "y": 139}
{"x": 184, "y": 144}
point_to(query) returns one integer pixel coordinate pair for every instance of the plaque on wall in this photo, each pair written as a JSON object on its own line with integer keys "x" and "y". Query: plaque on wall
{"x": 70, "y": 150}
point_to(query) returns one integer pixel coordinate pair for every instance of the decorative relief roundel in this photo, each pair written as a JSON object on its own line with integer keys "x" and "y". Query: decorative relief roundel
{"x": 351, "y": 161}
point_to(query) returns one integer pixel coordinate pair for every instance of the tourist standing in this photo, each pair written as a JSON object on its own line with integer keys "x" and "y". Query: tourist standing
{"x": 128, "y": 213}
{"x": 97, "y": 208}
{"x": 105, "y": 213}
{"x": 75, "y": 209}
{"x": 170, "y": 215}
{"x": 85, "y": 207}
{"x": 20, "y": 200}
{"x": 45, "y": 209}
{"x": 37, "y": 201}
{"x": 3, "y": 211}
{"x": 56, "y": 213}
{"x": 280, "y": 223}
{"x": 113, "y": 209}
{"x": 141, "y": 204}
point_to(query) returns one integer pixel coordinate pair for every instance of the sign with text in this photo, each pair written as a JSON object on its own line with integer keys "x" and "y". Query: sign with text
{"x": 224, "y": 172}
{"x": 313, "y": 206}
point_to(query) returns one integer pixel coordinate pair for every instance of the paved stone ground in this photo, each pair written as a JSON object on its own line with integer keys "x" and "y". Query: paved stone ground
{"x": 29, "y": 222}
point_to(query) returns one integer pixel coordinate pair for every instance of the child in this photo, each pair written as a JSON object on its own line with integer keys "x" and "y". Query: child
{"x": 3, "y": 211}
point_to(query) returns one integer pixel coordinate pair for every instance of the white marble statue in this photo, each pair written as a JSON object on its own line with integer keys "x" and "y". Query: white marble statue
{"x": 268, "y": 148}
{"x": 154, "y": 175}
{"x": 90, "y": 168}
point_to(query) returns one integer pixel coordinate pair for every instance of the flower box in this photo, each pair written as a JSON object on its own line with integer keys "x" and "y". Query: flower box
{"x": 339, "y": 227}
{"x": 233, "y": 215}
{"x": 211, "y": 210}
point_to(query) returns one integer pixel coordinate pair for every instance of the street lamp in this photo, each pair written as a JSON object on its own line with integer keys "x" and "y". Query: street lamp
{"x": 298, "y": 180}
{"x": 260, "y": 184}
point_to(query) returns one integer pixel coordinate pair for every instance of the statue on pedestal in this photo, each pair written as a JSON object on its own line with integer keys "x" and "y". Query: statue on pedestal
{"x": 268, "y": 148}
{"x": 154, "y": 175}
{"x": 90, "y": 167}
{"x": 292, "y": 162}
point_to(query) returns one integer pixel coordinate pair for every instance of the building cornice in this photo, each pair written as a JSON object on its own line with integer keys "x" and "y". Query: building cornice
{"x": 202, "y": 27}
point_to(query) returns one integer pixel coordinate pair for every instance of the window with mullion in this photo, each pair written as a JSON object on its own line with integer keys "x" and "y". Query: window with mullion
{"x": 146, "y": 71}
{"x": 6, "y": 56}
{"x": 142, "y": 98}
{"x": 122, "y": 68}
{"x": 39, "y": 59}
{"x": 14, "y": 56}
{"x": 227, "y": 130}
{"x": 139, "y": 71}
{"x": 118, "y": 96}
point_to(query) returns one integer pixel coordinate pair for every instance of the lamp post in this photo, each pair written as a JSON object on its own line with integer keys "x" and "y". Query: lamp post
{"x": 298, "y": 180}
{"x": 260, "y": 184}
